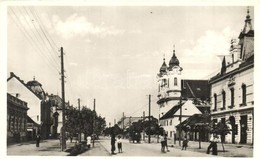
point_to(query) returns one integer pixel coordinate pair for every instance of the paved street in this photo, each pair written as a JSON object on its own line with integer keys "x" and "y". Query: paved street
{"x": 102, "y": 148}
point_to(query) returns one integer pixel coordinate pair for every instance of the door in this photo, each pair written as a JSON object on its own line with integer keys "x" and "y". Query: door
{"x": 243, "y": 126}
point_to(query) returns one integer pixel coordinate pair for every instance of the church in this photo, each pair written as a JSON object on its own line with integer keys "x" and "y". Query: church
{"x": 179, "y": 98}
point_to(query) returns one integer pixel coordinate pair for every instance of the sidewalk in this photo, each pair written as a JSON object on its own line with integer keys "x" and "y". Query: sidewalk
{"x": 231, "y": 150}
{"x": 47, "y": 148}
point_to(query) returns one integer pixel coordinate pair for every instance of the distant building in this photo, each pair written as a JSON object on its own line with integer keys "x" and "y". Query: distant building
{"x": 179, "y": 98}
{"x": 232, "y": 90}
{"x": 16, "y": 119}
{"x": 35, "y": 97}
{"x": 56, "y": 114}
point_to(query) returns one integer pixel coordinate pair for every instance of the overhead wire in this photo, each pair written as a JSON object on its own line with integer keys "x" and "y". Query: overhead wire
{"x": 40, "y": 39}
{"x": 30, "y": 39}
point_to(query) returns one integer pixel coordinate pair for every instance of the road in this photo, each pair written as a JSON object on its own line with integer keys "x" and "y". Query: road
{"x": 142, "y": 149}
{"x": 102, "y": 148}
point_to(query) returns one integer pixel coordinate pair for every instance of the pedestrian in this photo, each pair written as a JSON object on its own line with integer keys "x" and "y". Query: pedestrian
{"x": 165, "y": 142}
{"x": 88, "y": 141}
{"x": 113, "y": 141}
{"x": 119, "y": 144}
{"x": 162, "y": 143}
{"x": 71, "y": 137}
{"x": 185, "y": 143}
{"x": 38, "y": 138}
{"x": 214, "y": 139}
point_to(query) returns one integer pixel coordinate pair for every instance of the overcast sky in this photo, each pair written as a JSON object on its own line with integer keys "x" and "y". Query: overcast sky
{"x": 113, "y": 54}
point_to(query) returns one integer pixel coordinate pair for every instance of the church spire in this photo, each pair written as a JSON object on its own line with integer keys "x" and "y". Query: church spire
{"x": 248, "y": 25}
{"x": 174, "y": 60}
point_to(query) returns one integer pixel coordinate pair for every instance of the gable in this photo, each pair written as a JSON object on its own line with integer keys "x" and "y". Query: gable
{"x": 188, "y": 109}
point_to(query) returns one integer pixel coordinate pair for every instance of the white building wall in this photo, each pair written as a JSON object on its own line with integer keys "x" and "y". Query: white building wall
{"x": 33, "y": 102}
{"x": 246, "y": 77}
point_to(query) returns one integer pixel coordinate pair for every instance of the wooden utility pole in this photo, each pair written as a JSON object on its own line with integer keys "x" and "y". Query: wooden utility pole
{"x": 79, "y": 136}
{"x": 143, "y": 122}
{"x": 94, "y": 118}
{"x": 79, "y": 103}
{"x": 63, "y": 138}
{"x": 123, "y": 119}
{"x": 180, "y": 129}
{"x": 149, "y": 136}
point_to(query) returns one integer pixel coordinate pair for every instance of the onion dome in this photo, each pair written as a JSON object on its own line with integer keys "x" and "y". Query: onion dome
{"x": 163, "y": 67}
{"x": 174, "y": 60}
{"x": 36, "y": 87}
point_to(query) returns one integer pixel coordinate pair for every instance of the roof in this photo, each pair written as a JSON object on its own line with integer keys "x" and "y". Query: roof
{"x": 29, "y": 120}
{"x": 12, "y": 75}
{"x": 196, "y": 119}
{"x": 171, "y": 112}
{"x": 195, "y": 89}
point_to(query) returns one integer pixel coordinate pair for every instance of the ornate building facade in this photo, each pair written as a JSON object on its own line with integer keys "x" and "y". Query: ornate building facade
{"x": 232, "y": 90}
{"x": 16, "y": 119}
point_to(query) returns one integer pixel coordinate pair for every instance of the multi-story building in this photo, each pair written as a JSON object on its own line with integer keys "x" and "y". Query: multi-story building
{"x": 37, "y": 102}
{"x": 16, "y": 119}
{"x": 232, "y": 90}
{"x": 179, "y": 98}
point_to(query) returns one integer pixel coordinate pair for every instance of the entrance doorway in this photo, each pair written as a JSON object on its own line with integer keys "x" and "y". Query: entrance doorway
{"x": 233, "y": 124}
{"x": 243, "y": 126}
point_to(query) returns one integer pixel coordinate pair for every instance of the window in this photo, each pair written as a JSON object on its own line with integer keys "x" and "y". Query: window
{"x": 243, "y": 94}
{"x": 232, "y": 96}
{"x": 175, "y": 81}
{"x": 224, "y": 99}
{"x": 215, "y": 102}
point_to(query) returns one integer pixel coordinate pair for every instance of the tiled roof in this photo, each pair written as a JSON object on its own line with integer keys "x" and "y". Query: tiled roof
{"x": 195, "y": 89}
{"x": 196, "y": 119}
{"x": 171, "y": 112}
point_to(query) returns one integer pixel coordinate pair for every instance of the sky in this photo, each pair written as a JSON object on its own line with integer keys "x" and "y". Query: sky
{"x": 113, "y": 53}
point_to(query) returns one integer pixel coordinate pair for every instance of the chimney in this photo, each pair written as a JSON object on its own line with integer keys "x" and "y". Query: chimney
{"x": 11, "y": 74}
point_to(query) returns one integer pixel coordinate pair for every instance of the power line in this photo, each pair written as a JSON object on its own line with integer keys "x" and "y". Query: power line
{"x": 36, "y": 41}
{"x": 39, "y": 34}
{"x": 29, "y": 37}
{"x": 44, "y": 29}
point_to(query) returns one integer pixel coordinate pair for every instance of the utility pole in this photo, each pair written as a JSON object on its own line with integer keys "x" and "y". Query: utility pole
{"x": 123, "y": 127}
{"x": 79, "y": 136}
{"x": 143, "y": 122}
{"x": 79, "y": 103}
{"x": 180, "y": 120}
{"x": 149, "y": 136}
{"x": 94, "y": 118}
{"x": 63, "y": 138}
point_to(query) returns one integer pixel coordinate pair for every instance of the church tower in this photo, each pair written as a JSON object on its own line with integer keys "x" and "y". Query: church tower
{"x": 169, "y": 84}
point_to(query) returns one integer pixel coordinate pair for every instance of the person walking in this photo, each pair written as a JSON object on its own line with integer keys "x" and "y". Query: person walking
{"x": 113, "y": 141}
{"x": 162, "y": 140}
{"x": 38, "y": 138}
{"x": 88, "y": 142}
{"x": 165, "y": 143}
{"x": 119, "y": 144}
{"x": 214, "y": 139}
{"x": 184, "y": 143}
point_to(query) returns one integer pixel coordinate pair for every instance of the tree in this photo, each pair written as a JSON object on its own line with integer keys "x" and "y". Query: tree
{"x": 222, "y": 129}
{"x": 81, "y": 121}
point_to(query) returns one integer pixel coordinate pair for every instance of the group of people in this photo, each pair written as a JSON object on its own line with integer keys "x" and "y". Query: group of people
{"x": 164, "y": 145}
{"x": 214, "y": 139}
{"x": 113, "y": 142}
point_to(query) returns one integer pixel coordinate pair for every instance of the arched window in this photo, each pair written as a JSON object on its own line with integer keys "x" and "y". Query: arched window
{"x": 243, "y": 94}
{"x": 215, "y": 101}
{"x": 175, "y": 81}
{"x": 224, "y": 99}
